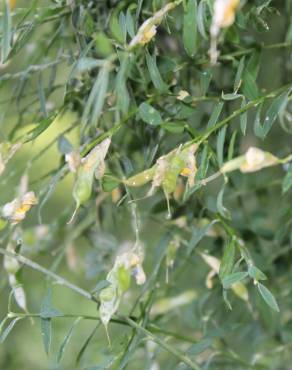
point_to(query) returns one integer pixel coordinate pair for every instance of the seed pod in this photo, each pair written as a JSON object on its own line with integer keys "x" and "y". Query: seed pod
{"x": 175, "y": 167}
{"x": 82, "y": 187}
{"x": 83, "y": 184}
{"x": 11, "y": 265}
{"x": 119, "y": 277}
{"x": 141, "y": 178}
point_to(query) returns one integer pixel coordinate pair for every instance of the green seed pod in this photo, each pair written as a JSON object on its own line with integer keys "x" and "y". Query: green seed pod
{"x": 82, "y": 187}
{"x": 107, "y": 294}
{"x": 176, "y": 165}
{"x": 141, "y": 178}
{"x": 124, "y": 279}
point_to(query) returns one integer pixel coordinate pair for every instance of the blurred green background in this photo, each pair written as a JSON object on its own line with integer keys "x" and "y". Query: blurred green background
{"x": 83, "y": 254}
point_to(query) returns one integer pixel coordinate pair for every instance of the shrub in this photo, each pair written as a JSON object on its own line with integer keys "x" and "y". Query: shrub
{"x": 146, "y": 175}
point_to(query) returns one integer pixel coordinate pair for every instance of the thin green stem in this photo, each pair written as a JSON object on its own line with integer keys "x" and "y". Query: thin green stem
{"x": 181, "y": 356}
{"x": 43, "y": 270}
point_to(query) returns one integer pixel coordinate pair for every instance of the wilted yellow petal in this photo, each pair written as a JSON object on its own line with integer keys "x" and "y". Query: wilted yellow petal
{"x": 256, "y": 159}
{"x": 16, "y": 210}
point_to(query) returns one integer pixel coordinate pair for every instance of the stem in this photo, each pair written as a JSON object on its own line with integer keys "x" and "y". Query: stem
{"x": 182, "y": 357}
{"x": 49, "y": 273}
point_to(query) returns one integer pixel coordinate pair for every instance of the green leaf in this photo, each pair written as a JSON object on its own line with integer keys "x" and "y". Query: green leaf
{"x": 231, "y": 96}
{"x": 220, "y": 145}
{"x": 100, "y": 285}
{"x": 47, "y": 310}
{"x": 205, "y": 79}
{"x": 257, "y": 128}
{"x": 226, "y": 300}
{"x": 7, "y": 331}
{"x": 231, "y": 279}
{"x": 86, "y": 343}
{"x": 287, "y": 181}
{"x": 197, "y": 236}
{"x": 6, "y": 32}
{"x": 104, "y": 47}
{"x": 231, "y": 146}
{"x": 243, "y": 117}
{"x": 174, "y": 127}
{"x": 108, "y": 183}
{"x": 274, "y": 110}
{"x": 149, "y": 114}
{"x": 220, "y": 207}
{"x": 66, "y": 340}
{"x": 95, "y": 101}
{"x": 227, "y": 262}
{"x": 130, "y": 24}
{"x": 190, "y": 28}
{"x": 215, "y": 114}
{"x": 46, "y": 331}
{"x": 115, "y": 28}
{"x": 123, "y": 25}
{"x": 256, "y": 273}
{"x": 40, "y": 128}
{"x": 154, "y": 73}
{"x": 268, "y": 297}
{"x": 200, "y": 347}
{"x": 123, "y": 99}
{"x": 201, "y": 19}
{"x": 238, "y": 79}
{"x": 42, "y": 96}
{"x": 249, "y": 86}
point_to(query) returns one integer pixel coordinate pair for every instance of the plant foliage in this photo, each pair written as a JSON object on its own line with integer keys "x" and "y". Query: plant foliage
{"x": 146, "y": 177}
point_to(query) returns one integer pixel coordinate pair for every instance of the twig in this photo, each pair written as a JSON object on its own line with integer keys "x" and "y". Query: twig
{"x": 43, "y": 270}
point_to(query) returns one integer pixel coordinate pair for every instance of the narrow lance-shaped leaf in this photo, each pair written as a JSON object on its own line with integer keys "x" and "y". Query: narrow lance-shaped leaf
{"x": 46, "y": 332}
{"x": 215, "y": 114}
{"x": 256, "y": 273}
{"x": 243, "y": 117}
{"x": 197, "y": 235}
{"x": 227, "y": 261}
{"x": 123, "y": 25}
{"x": 66, "y": 340}
{"x": 154, "y": 73}
{"x": 238, "y": 77}
{"x": 40, "y": 128}
{"x": 272, "y": 113}
{"x": 220, "y": 145}
{"x": 221, "y": 208}
{"x": 268, "y": 297}
{"x": 201, "y": 19}
{"x": 231, "y": 279}
{"x": 123, "y": 99}
{"x": 190, "y": 28}
{"x": 8, "y": 329}
{"x": 6, "y": 32}
{"x": 287, "y": 181}
{"x": 130, "y": 23}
